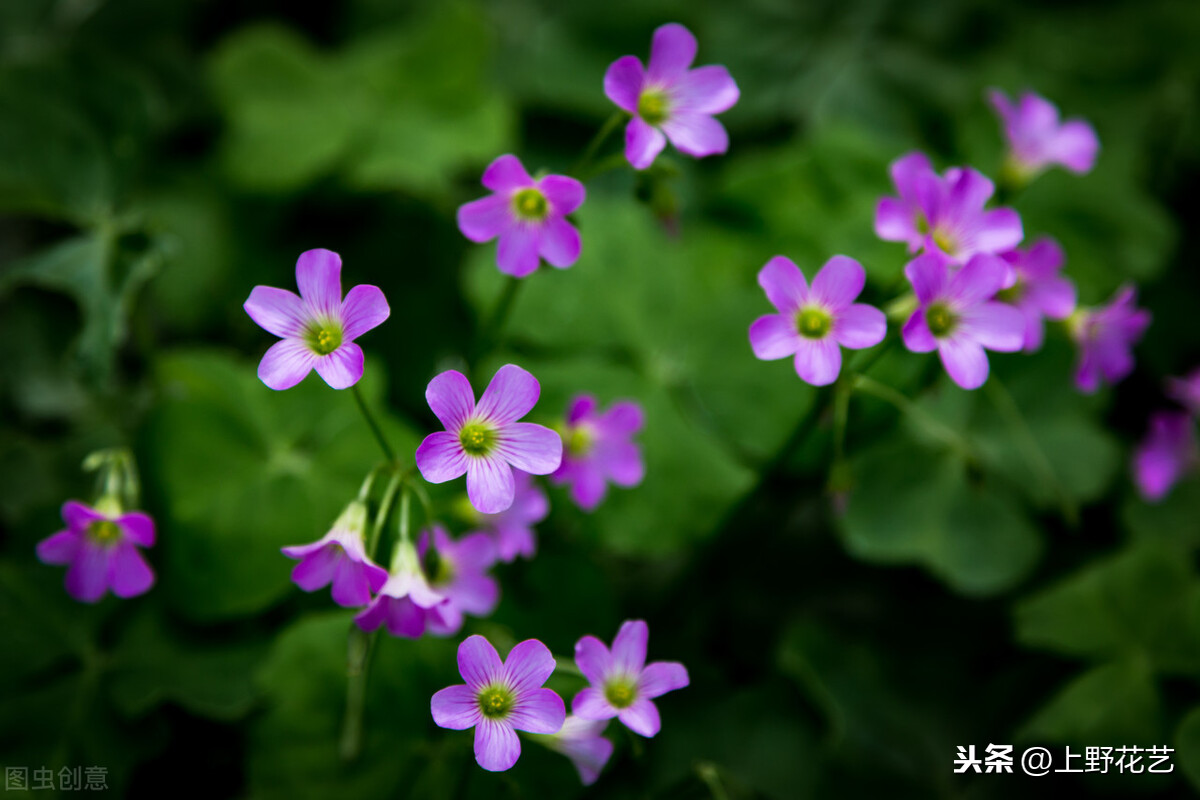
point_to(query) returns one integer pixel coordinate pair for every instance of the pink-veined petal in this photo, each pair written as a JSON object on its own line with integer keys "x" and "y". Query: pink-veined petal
{"x": 593, "y": 659}
{"x": 838, "y": 283}
{"x": 818, "y": 361}
{"x": 506, "y": 174}
{"x": 1075, "y": 146}
{"x": 590, "y": 703}
{"x": 286, "y": 363}
{"x": 996, "y": 326}
{"x": 623, "y": 82}
{"x": 489, "y": 484}
{"x": 528, "y": 666}
{"x": 441, "y": 457}
{"x": 560, "y": 244}
{"x": 707, "y": 90}
{"x": 978, "y": 281}
{"x": 784, "y": 284}
{"x": 450, "y": 398}
{"x": 511, "y": 394}
{"x": 563, "y": 193}
{"x": 774, "y": 336}
{"x": 895, "y": 221}
{"x": 672, "y": 51}
{"x": 517, "y": 250}
{"x": 277, "y": 311}
{"x": 342, "y": 368}
{"x": 538, "y": 711}
{"x": 629, "y": 647}
{"x": 916, "y": 334}
{"x": 697, "y": 135}
{"x": 497, "y": 747}
{"x": 486, "y": 218}
{"x": 531, "y": 448}
{"x": 859, "y": 325}
{"x": 479, "y": 663}
{"x": 928, "y": 275}
{"x": 455, "y": 708}
{"x": 319, "y": 276}
{"x": 662, "y": 677}
{"x": 364, "y": 308}
{"x": 643, "y": 143}
{"x": 965, "y": 361}
{"x": 1000, "y": 229}
{"x": 642, "y": 717}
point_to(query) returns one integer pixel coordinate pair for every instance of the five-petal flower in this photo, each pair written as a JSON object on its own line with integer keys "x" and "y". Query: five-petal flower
{"x": 101, "y": 546}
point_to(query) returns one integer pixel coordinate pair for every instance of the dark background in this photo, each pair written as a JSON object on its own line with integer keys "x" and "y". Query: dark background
{"x": 158, "y": 160}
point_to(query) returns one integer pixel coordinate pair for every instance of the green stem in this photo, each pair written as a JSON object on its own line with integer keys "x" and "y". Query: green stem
{"x": 405, "y": 494}
{"x": 385, "y": 508}
{"x": 712, "y": 779}
{"x": 841, "y": 412}
{"x": 1031, "y": 448}
{"x": 373, "y": 425}
{"x": 949, "y": 437}
{"x": 610, "y": 125}
{"x": 358, "y": 652}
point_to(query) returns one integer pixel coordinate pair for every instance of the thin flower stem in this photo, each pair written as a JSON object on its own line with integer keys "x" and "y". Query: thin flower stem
{"x": 359, "y": 646}
{"x": 500, "y": 313}
{"x": 949, "y": 437}
{"x": 388, "y": 453}
{"x": 385, "y": 508}
{"x": 712, "y": 779}
{"x": 405, "y": 493}
{"x": 610, "y": 125}
{"x": 841, "y": 412}
{"x": 1031, "y": 448}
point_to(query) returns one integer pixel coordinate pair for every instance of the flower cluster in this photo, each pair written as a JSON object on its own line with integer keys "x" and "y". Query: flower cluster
{"x": 499, "y": 698}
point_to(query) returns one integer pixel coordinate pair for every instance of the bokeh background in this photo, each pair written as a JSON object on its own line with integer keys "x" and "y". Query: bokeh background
{"x": 159, "y": 159}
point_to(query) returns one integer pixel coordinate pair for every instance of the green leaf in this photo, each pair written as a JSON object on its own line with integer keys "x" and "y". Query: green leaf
{"x": 1187, "y": 746}
{"x": 241, "y": 471}
{"x": 1114, "y": 702}
{"x": 1171, "y": 520}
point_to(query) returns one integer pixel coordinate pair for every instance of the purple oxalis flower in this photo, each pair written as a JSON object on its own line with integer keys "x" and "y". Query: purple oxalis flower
{"x": 100, "y": 545}
{"x": 486, "y": 441}
{"x": 406, "y": 604}
{"x": 1105, "y": 337}
{"x": 944, "y": 213}
{"x": 458, "y": 571}
{"x": 1186, "y": 391}
{"x": 500, "y": 699}
{"x": 318, "y": 328}
{"x": 956, "y": 316}
{"x": 512, "y": 529}
{"x": 597, "y": 448}
{"x": 339, "y": 558}
{"x": 814, "y": 323}
{"x": 1037, "y": 140}
{"x": 669, "y": 98}
{"x": 581, "y": 741}
{"x": 623, "y": 684}
{"x": 1039, "y": 290}
{"x": 528, "y": 215}
{"x": 1166, "y": 455}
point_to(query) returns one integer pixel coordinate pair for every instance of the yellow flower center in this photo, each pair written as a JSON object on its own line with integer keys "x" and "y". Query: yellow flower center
{"x": 940, "y": 319}
{"x": 813, "y": 322}
{"x": 653, "y": 106}
{"x": 620, "y": 693}
{"x": 104, "y": 531}
{"x": 495, "y": 701}
{"x": 324, "y": 337}
{"x": 530, "y": 204}
{"x": 476, "y": 438}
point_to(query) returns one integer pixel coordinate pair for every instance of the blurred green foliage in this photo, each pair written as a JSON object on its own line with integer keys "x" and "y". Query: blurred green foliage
{"x": 983, "y": 573}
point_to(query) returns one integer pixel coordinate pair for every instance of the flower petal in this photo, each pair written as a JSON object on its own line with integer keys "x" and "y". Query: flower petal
{"x": 138, "y": 528}
{"x": 506, "y": 174}
{"x": 497, "y": 747}
{"x": 286, "y": 363}
{"x": 707, "y": 90}
{"x": 531, "y": 448}
{"x": 59, "y": 548}
{"x": 928, "y": 275}
{"x": 319, "y": 276}
{"x": 784, "y": 284}
{"x": 486, "y": 218}
{"x": 965, "y": 360}
{"x": 588, "y": 486}
{"x": 774, "y": 336}
{"x": 78, "y": 516}
{"x": 839, "y": 282}
{"x": 342, "y": 368}
{"x": 590, "y": 703}
{"x": 859, "y": 326}
{"x": 563, "y": 193}
{"x": 517, "y": 251}
{"x": 582, "y": 407}
{"x": 996, "y": 326}
{"x": 441, "y": 457}
{"x": 316, "y": 568}
{"x": 895, "y": 221}
{"x": 672, "y": 51}
{"x": 643, "y": 143}
{"x": 908, "y": 172}
{"x": 642, "y": 717}
{"x": 818, "y": 361}
{"x": 529, "y": 665}
{"x": 129, "y": 574}
{"x": 364, "y": 308}
{"x": 277, "y": 311}
{"x": 87, "y": 577}
{"x": 455, "y": 707}
{"x": 450, "y": 398}
{"x": 593, "y": 659}
{"x": 629, "y": 647}
{"x": 489, "y": 484}
{"x": 479, "y": 663}
{"x": 1075, "y": 146}
{"x": 538, "y": 711}
{"x": 511, "y": 394}
{"x": 350, "y": 588}
{"x": 622, "y": 462}
{"x": 662, "y": 677}
{"x": 978, "y": 281}
{"x": 623, "y": 82}
{"x": 970, "y": 190}
{"x": 999, "y": 229}
{"x": 624, "y": 418}
{"x": 697, "y": 135}
{"x": 916, "y": 334}
{"x": 560, "y": 244}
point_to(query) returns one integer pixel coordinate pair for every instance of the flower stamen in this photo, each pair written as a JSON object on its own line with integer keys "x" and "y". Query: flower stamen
{"x": 940, "y": 319}
{"x": 530, "y": 204}
{"x": 813, "y": 322}
{"x": 495, "y": 702}
{"x": 653, "y": 106}
{"x": 476, "y": 439}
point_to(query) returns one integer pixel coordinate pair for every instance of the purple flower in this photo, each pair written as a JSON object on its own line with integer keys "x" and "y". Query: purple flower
{"x": 1037, "y": 140}
{"x": 1105, "y": 337}
{"x": 457, "y": 570}
{"x": 956, "y": 316}
{"x": 339, "y": 557}
{"x": 581, "y": 741}
{"x": 597, "y": 449}
{"x": 486, "y": 441}
{"x": 1186, "y": 391}
{"x": 500, "y": 699}
{"x": 318, "y": 328}
{"x": 101, "y": 546}
{"x": 623, "y": 684}
{"x": 813, "y": 322}
{"x": 944, "y": 213}
{"x": 406, "y": 604}
{"x": 512, "y": 530}
{"x": 668, "y": 98}
{"x": 528, "y": 215}
{"x": 1039, "y": 290}
{"x": 1167, "y": 453}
